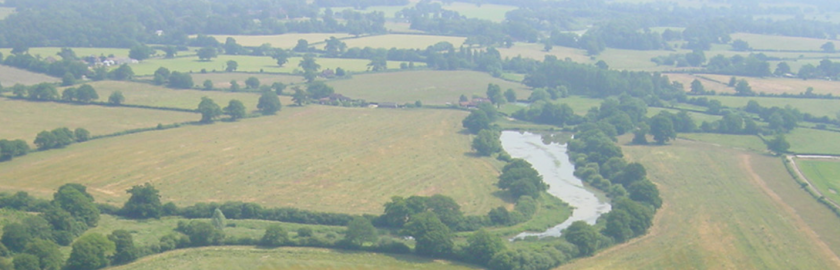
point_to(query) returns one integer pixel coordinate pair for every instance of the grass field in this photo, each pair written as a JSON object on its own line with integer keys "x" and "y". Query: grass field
{"x": 283, "y": 258}
{"x": 490, "y": 12}
{"x": 824, "y": 174}
{"x": 10, "y": 76}
{"x": 698, "y": 117}
{"x": 536, "y": 51}
{"x": 24, "y": 119}
{"x": 401, "y": 41}
{"x": 739, "y": 142}
{"x": 151, "y": 95}
{"x": 250, "y": 64}
{"x": 286, "y": 41}
{"x": 812, "y": 141}
{"x": 80, "y": 52}
{"x": 724, "y": 209}
{"x": 357, "y": 158}
{"x": 816, "y": 107}
{"x": 759, "y": 85}
{"x": 771, "y": 42}
{"x": 430, "y": 87}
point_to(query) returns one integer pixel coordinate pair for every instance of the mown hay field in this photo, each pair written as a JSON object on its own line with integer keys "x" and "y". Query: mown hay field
{"x": 824, "y": 174}
{"x": 10, "y": 76}
{"x": 24, "y": 119}
{"x": 772, "y": 42}
{"x": 724, "y": 209}
{"x": 814, "y": 141}
{"x": 251, "y": 64}
{"x": 285, "y": 41}
{"x": 738, "y": 142}
{"x": 429, "y": 87}
{"x": 151, "y": 95}
{"x": 400, "y": 41}
{"x": 333, "y": 159}
{"x": 284, "y": 258}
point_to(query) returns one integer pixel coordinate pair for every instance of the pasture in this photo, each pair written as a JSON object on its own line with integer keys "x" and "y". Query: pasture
{"x": 152, "y": 95}
{"x": 772, "y": 42}
{"x": 10, "y": 76}
{"x": 490, "y": 12}
{"x": 738, "y": 142}
{"x": 430, "y": 87}
{"x": 698, "y": 117}
{"x": 536, "y": 51}
{"x": 285, "y": 41}
{"x": 332, "y": 159}
{"x": 816, "y": 107}
{"x": 759, "y": 85}
{"x": 222, "y": 80}
{"x": 251, "y": 64}
{"x": 724, "y": 209}
{"x": 814, "y": 141}
{"x": 283, "y": 258}
{"x": 24, "y": 119}
{"x": 80, "y": 51}
{"x": 400, "y": 41}
{"x": 823, "y": 174}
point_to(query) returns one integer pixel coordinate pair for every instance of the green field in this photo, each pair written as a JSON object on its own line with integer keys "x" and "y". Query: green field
{"x": 536, "y": 52}
{"x": 10, "y": 76}
{"x": 813, "y": 141}
{"x": 24, "y": 119}
{"x": 430, "y": 87}
{"x": 222, "y": 80}
{"x": 357, "y": 158}
{"x": 401, "y": 41}
{"x": 490, "y": 12}
{"x": 250, "y": 64}
{"x": 283, "y": 258}
{"x": 771, "y": 42}
{"x": 824, "y": 174}
{"x": 286, "y": 41}
{"x": 717, "y": 83}
{"x": 724, "y": 209}
{"x": 698, "y": 117}
{"x": 80, "y": 52}
{"x": 151, "y": 95}
{"x": 740, "y": 142}
{"x": 816, "y": 107}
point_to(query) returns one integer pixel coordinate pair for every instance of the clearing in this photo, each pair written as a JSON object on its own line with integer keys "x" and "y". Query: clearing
{"x": 152, "y": 95}
{"x": 358, "y": 158}
{"x": 430, "y": 87}
{"x": 283, "y": 258}
{"x": 24, "y": 119}
{"x": 10, "y": 76}
{"x": 724, "y": 209}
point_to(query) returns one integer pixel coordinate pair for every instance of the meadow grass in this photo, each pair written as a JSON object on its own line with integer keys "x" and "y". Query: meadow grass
{"x": 814, "y": 141}
{"x": 222, "y": 79}
{"x": 285, "y": 41}
{"x": 401, "y": 41}
{"x": 333, "y": 159}
{"x": 536, "y": 51}
{"x": 698, "y": 117}
{"x": 739, "y": 142}
{"x": 816, "y": 107}
{"x": 490, "y": 12}
{"x": 10, "y": 76}
{"x": 723, "y": 209}
{"x": 551, "y": 211}
{"x": 250, "y": 64}
{"x": 824, "y": 174}
{"x": 430, "y": 87}
{"x": 24, "y": 119}
{"x": 284, "y": 258}
{"x": 772, "y": 42}
{"x": 759, "y": 85}
{"x": 157, "y": 96}
{"x": 80, "y": 51}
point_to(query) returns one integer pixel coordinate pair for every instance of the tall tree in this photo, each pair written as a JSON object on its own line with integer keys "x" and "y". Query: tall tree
{"x": 360, "y": 231}
{"x": 487, "y": 142}
{"x": 482, "y": 246}
{"x": 116, "y": 98}
{"x": 433, "y": 237}
{"x": 697, "y": 87}
{"x": 218, "y": 219}
{"x": 74, "y": 199}
{"x": 318, "y": 90}
{"x": 662, "y": 129}
{"x": 90, "y": 252}
{"x": 231, "y": 66}
{"x": 476, "y": 121}
{"x": 49, "y": 257}
{"x": 144, "y": 202}
{"x": 274, "y": 236}
{"x": 300, "y": 96}
{"x": 510, "y": 96}
{"x": 209, "y": 110}
{"x": 207, "y": 53}
{"x": 252, "y": 83}
{"x": 778, "y": 144}
{"x": 494, "y": 93}
{"x": 125, "y": 250}
{"x": 235, "y": 109}
{"x": 86, "y": 93}
{"x": 269, "y": 103}
{"x": 582, "y": 235}
{"x": 334, "y": 47}
{"x": 140, "y": 52}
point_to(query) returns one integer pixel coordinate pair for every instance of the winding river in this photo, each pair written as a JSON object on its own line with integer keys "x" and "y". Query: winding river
{"x": 551, "y": 160}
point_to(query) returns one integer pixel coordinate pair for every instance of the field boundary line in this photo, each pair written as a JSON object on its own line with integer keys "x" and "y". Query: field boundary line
{"x": 810, "y": 185}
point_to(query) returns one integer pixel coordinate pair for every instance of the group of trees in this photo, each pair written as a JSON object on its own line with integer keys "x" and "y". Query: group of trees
{"x": 174, "y": 79}
{"x": 84, "y": 94}
{"x": 33, "y": 243}
{"x": 59, "y": 138}
{"x": 12, "y": 149}
{"x": 754, "y": 65}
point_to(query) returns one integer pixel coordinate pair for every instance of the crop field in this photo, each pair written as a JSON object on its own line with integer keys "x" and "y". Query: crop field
{"x": 285, "y": 41}
{"x": 816, "y": 107}
{"x": 759, "y": 85}
{"x": 24, "y": 119}
{"x": 401, "y": 41}
{"x": 724, "y": 209}
{"x": 357, "y": 158}
{"x": 824, "y": 174}
{"x": 771, "y": 42}
{"x": 250, "y": 64}
{"x": 222, "y": 80}
{"x": 151, "y": 95}
{"x": 10, "y": 76}
{"x": 430, "y": 87}
{"x": 283, "y": 258}
{"x": 814, "y": 141}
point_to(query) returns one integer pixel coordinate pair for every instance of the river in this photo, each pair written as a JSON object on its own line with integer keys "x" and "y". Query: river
{"x": 551, "y": 160}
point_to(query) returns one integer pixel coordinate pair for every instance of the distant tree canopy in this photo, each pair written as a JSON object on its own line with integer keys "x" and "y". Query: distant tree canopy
{"x": 144, "y": 202}
{"x": 209, "y": 110}
{"x": 269, "y": 103}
